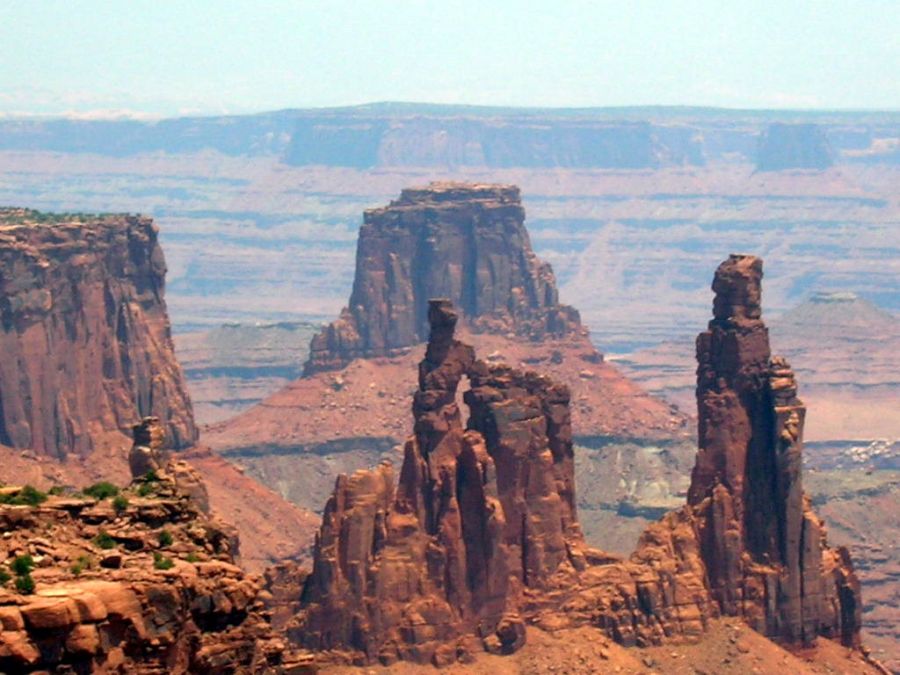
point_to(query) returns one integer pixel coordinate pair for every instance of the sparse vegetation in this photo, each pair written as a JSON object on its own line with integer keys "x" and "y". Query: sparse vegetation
{"x": 161, "y": 562}
{"x": 192, "y": 557}
{"x": 120, "y": 503}
{"x": 83, "y": 563}
{"x": 165, "y": 538}
{"x": 104, "y": 540}
{"x": 151, "y": 477}
{"x": 146, "y": 489}
{"x": 27, "y": 496}
{"x": 23, "y": 564}
{"x": 4, "y": 577}
{"x": 56, "y": 490}
{"x": 19, "y": 216}
{"x": 101, "y": 490}
{"x": 25, "y": 584}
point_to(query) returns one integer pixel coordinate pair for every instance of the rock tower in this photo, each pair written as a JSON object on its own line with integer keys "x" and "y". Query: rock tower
{"x": 464, "y": 242}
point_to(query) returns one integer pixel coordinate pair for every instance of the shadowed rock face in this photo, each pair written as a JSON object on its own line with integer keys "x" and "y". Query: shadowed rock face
{"x": 481, "y": 534}
{"x": 464, "y": 242}
{"x": 84, "y": 333}
{"x": 763, "y": 546}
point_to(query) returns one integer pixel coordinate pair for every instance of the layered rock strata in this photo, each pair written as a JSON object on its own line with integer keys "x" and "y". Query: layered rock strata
{"x": 763, "y": 546}
{"x": 84, "y": 333}
{"x": 481, "y": 536}
{"x": 147, "y": 584}
{"x": 464, "y": 242}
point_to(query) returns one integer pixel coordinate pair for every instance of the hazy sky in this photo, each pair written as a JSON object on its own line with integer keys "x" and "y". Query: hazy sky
{"x": 167, "y": 57}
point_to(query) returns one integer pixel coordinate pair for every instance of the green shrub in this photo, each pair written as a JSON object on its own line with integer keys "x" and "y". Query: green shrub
{"x": 83, "y": 563}
{"x": 4, "y": 576}
{"x": 25, "y": 584}
{"x": 104, "y": 540}
{"x": 120, "y": 503}
{"x": 192, "y": 557}
{"x": 23, "y": 564}
{"x": 165, "y": 538}
{"x": 161, "y": 562}
{"x": 56, "y": 490}
{"x": 146, "y": 489}
{"x": 151, "y": 477}
{"x": 27, "y": 496}
{"x": 101, "y": 490}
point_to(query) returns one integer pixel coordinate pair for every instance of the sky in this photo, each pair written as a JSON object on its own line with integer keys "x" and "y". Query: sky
{"x": 163, "y": 58}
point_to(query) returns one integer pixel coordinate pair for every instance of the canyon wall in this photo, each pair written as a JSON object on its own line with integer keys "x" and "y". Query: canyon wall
{"x": 84, "y": 333}
{"x": 465, "y": 242}
{"x": 793, "y": 146}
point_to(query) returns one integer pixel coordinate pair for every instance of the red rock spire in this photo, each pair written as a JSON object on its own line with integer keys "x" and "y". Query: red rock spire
{"x": 762, "y": 544}
{"x": 478, "y": 516}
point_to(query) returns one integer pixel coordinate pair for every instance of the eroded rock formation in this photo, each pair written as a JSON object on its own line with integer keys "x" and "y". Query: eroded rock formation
{"x": 84, "y": 333}
{"x": 481, "y": 537}
{"x": 478, "y": 515}
{"x": 147, "y": 584}
{"x": 464, "y": 242}
{"x": 764, "y": 547}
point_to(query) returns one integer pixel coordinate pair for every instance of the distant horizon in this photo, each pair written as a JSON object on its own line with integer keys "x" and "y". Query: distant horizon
{"x": 164, "y": 60}
{"x": 416, "y": 106}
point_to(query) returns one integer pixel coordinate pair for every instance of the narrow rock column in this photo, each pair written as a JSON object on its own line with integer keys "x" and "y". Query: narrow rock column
{"x": 763, "y": 547}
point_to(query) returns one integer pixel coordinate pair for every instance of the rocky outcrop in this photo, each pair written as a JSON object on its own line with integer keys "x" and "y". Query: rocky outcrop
{"x": 146, "y": 583}
{"x": 464, "y": 242}
{"x": 763, "y": 546}
{"x": 84, "y": 333}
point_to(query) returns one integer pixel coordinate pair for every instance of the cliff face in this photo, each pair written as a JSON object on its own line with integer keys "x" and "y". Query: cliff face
{"x": 465, "y": 242}
{"x": 481, "y": 535}
{"x": 84, "y": 333}
{"x": 763, "y": 546}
